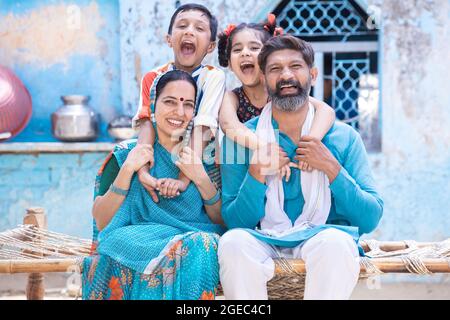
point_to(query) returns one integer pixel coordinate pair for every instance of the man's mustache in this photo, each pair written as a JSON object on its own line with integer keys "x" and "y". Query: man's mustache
{"x": 292, "y": 83}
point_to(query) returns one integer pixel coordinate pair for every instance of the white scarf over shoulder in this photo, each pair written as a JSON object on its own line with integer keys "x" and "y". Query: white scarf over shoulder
{"x": 314, "y": 186}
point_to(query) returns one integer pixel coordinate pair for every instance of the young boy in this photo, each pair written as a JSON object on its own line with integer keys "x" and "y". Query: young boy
{"x": 192, "y": 34}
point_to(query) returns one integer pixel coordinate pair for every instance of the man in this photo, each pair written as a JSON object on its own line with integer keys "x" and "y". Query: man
{"x": 317, "y": 216}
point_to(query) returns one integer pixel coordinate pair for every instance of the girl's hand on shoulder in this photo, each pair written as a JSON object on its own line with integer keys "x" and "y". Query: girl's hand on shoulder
{"x": 304, "y": 166}
{"x": 285, "y": 171}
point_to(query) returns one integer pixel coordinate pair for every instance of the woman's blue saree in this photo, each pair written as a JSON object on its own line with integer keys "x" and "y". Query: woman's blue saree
{"x": 165, "y": 250}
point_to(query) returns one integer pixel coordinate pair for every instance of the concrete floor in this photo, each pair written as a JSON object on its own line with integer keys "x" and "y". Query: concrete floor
{"x": 402, "y": 287}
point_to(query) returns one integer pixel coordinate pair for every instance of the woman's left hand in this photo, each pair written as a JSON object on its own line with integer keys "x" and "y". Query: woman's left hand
{"x": 191, "y": 165}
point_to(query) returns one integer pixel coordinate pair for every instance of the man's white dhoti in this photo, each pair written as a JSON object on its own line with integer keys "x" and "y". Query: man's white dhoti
{"x": 246, "y": 265}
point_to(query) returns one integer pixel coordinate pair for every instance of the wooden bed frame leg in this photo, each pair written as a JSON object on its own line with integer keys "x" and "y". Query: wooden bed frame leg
{"x": 35, "y": 285}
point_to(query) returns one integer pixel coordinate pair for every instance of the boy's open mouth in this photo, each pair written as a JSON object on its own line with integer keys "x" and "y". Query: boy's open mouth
{"x": 187, "y": 48}
{"x": 247, "y": 67}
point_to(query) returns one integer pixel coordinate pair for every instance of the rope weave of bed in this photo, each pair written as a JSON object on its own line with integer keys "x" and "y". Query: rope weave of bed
{"x": 28, "y": 242}
{"x": 30, "y": 249}
{"x": 411, "y": 256}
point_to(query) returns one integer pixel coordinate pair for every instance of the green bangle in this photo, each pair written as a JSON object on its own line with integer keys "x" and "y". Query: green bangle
{"x": 118, "y": 191}
{"x": 213, "y": 200}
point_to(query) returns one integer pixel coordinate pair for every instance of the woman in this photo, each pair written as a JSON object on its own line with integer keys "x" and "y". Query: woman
{"x": 148, "y": 250}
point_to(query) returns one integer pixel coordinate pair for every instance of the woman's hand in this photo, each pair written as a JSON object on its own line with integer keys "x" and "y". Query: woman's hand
{"x": 149, "y": 182}
{"x": 139, "y": 156}
{"x": 191, "y": 165}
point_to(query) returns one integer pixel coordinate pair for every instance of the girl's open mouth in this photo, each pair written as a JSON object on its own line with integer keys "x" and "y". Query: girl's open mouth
{"x": 247, "y": 67}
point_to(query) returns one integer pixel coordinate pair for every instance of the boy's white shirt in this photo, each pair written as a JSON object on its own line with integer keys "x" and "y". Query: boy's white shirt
{"x": 212, "y": 81}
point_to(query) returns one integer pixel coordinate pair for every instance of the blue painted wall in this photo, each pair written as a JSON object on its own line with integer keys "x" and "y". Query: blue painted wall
{"x": 63, "y": 184}
{"x": 77, "y": 59}
{"x": 412, "y": 171}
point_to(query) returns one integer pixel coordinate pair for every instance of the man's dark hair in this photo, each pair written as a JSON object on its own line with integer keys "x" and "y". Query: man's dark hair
{"x": 197, "y": 7}
{"x": 286, "y": 42}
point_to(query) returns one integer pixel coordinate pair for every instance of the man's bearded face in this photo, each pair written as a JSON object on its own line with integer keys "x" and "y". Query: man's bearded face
{"x": 290, "y": 95}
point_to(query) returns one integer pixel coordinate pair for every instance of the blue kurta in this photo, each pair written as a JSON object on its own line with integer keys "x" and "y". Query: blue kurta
{"x": 354, "y": 199}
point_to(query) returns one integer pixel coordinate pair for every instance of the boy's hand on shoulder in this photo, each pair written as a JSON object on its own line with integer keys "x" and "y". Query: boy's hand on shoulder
{"x": 170, "y": 188}
{"x": 149, "y": 182}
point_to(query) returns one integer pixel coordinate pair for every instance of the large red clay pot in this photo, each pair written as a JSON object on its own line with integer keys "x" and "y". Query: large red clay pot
{"x": 15, "y": 104}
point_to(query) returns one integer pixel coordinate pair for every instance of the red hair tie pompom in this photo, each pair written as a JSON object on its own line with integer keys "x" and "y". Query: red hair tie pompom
{"x": 229, "y": 29}
{"x": 271, "y": 18}
{"x": 272, "y": 22}
{"x": 278, "y": 31}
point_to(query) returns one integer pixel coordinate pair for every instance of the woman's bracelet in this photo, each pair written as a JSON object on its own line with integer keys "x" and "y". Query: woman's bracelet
{"x": 118, "y": 191}
{"x": 213, "y": 200}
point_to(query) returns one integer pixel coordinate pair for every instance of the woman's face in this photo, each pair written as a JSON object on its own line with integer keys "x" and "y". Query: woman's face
{"x": 175, "y": 108}
{"x": 245, "y": 49}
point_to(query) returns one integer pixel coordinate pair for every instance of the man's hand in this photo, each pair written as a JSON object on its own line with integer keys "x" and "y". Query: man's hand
{"x": 267, "y": 160}
{"x": 150, "y": 183}
{"x": 317, "y": 155}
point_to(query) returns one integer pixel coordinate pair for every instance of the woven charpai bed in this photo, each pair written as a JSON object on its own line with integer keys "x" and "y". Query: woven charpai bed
{"x": 31, "y": 248}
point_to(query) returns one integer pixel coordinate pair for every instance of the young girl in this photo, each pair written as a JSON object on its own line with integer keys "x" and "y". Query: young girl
{"x": 238, "y": 49}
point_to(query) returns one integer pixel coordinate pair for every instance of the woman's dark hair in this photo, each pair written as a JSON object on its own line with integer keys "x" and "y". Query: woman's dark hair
{"x": 174, "y": 75}
{"x": 265, "y": 30}
{"x": 196, "y": 7}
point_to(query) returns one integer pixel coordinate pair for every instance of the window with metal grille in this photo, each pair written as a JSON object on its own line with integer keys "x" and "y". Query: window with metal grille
{"x": 346, "y": 56}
